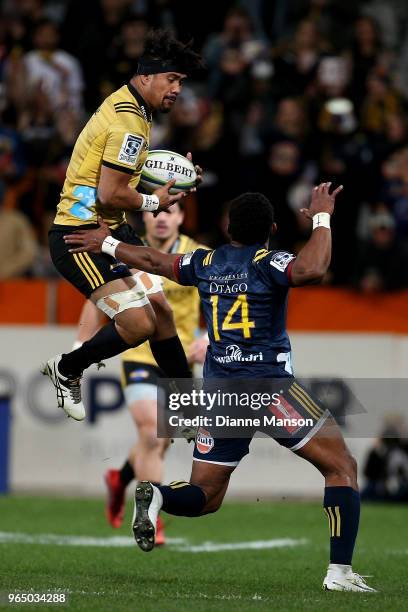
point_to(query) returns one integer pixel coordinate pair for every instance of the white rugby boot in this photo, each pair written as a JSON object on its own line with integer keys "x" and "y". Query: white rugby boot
{"x": 342, "y": 578}
{"x": 68, "y": 389}
{"x": 148, "y": 502}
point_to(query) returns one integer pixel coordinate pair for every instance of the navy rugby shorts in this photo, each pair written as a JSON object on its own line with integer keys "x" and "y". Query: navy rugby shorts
{"x": 296, "y": 405}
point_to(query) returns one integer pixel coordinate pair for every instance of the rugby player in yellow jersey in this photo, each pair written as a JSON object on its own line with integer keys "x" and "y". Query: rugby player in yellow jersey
{"x": 101, "y": 178}
{"x": 140, "y": 372}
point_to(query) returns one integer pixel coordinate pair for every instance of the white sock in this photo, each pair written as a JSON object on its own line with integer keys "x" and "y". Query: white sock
{"x": 338, "y": 568}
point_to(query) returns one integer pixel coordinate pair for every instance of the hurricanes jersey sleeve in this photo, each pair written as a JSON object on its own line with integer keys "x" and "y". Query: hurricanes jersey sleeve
{"x": 125, "y": 142}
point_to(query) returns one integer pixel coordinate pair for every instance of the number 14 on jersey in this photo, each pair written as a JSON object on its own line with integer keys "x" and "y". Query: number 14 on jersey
{"x": 238, "y": 308}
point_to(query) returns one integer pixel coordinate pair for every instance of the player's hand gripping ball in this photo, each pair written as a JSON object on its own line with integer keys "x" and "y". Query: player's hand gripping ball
{"x": 162, "y": 166}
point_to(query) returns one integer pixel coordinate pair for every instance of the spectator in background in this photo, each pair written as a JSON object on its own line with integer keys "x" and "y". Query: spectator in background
{"x": 18, "y": 246}
{"x": 381, "y": 264}
{"x": 12, "y": 159}
{"x": 367, "y": 55}
{"x": 230, "y": 53}
{"x": 380, "y": 101}
{"x": 55, "y": 71}
{"x": 22, "y": 15}
{"x": 88, "y": 31}
{"x": 237, "y": 33}
{"x": 394, "y": 191}
{"x": 123, "y": 54}
{"x": 296, "y": 60}
{"x": 386, "y": 468}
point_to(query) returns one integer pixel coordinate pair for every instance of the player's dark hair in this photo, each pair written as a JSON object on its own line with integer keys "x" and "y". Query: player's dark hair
{"x": 161, "y": 45}
{"x": 250, "y": 218}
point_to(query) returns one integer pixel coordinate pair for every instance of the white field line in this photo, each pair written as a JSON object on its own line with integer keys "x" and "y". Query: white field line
{"x": 254, "y": 545}
{"x": 62, "y": 540}
{"x": 177, "y": 544}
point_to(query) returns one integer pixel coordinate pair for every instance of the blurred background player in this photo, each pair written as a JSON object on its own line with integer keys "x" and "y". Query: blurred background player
{"x": 140, "y": 372}
{"x": 101, "y": 178}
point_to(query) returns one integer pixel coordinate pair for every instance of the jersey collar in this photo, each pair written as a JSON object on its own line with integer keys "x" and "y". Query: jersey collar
{"x": 144, "y": 107}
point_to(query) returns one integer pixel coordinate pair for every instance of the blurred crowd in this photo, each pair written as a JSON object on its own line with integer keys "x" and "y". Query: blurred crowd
{"x": 293, "y": 93}
{"x": 386, "y": 465}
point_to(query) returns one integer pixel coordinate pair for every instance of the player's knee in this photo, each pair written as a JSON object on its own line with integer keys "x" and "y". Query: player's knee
{"x": 138, "y": 323}
{"x": 212, "y": 506}
{"x": 214, "y": 493}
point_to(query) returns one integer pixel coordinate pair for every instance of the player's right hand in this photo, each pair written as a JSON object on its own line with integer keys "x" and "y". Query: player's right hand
{"x": 88, "y": 240}
{"x": 165, "y": 198}
{"x": 322, "y": 200}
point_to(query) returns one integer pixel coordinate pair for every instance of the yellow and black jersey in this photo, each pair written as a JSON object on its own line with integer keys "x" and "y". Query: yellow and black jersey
{"x": 116, "y": 136}
{"x": 184, "y": 302}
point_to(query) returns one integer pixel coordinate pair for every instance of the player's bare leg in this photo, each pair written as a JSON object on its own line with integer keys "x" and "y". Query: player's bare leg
{"x": 149, "y": 450}
{"x": 165, "y": 325}
{"x": 328, "y": 452}
{"x": 90, "y": 321}
{"x": 164, "y": 343}
{"x": 133, "y": 322}
{"x": 148, "y": 460}
{"x": 213, "y": 480}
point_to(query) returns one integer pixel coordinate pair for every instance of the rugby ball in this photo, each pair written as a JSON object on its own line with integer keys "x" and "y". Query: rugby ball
{"x": 162, "y": 166}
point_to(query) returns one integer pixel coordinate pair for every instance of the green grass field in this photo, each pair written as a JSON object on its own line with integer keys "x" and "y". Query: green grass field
{"x": 116, "y": 576}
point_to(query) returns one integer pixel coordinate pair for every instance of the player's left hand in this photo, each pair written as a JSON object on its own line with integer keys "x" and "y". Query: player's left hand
{"x": 199, "y": 172}
{"x": 197, "y": 350}
{"x": 88, "y": 240}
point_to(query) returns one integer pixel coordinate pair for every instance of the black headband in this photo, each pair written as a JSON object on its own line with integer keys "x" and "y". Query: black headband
{"x": 153, "y": 66}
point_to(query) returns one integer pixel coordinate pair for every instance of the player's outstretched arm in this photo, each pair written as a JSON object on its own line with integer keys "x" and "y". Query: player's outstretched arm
{"x": 143, "y": 258}
{"x": 313, "y": 260}
{"x": 114, "y": 191}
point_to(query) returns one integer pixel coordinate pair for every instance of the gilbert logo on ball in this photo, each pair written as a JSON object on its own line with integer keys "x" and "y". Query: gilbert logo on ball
{"x": 204, "y": 441}
{"x": 162, "y": 166}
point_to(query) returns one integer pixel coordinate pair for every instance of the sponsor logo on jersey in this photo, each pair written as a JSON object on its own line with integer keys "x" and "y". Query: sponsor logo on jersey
{"x": 281, "y": 260}
{"x": 204, "y": 441}
{"x": 226, "y": 289}
{"x": 130, "y": 149}
{"x": 234, "y": 353}
{"x": 185, "y": 260}
{"x": 228, "y": 277}
{"x": 285, "y": 410}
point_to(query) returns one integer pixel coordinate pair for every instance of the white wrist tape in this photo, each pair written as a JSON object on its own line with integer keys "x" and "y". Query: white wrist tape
{"x": 109, "y": 245}
{"x": 321, "y": 220}
{"x": 150, "y": 202}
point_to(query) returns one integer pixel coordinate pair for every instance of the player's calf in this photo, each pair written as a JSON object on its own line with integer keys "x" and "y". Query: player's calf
{"x": 329, "y": 453}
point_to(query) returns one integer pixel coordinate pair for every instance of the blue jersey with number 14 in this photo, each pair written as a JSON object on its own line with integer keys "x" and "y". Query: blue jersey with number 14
{"x": 244, "y": 292}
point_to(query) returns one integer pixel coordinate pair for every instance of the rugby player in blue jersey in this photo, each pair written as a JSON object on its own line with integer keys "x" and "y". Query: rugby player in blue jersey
{"x": 244, "y": 289}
